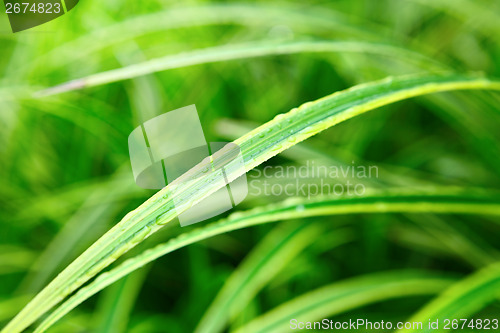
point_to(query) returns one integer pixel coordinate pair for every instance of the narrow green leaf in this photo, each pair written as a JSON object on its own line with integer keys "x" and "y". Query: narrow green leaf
{"x": 291, "y": 209}
{"x": 462, "y": 299}
{"x": 297, "y": 18}
{"x": 257, "y": 146}
{"x": 116, "y": 305}
{"x": 233, "y": 52}
{"x": 341, "y": 297}
{"x": 486, "y": 21}
{"x": 270, "y": 256}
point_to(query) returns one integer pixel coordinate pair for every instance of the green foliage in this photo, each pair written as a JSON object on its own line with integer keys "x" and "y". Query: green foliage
{"x": 343, "y": 296}
{"x": 242, "y": 283}
{"x": 420, "y": 244}
{"x": 464, "y": 298}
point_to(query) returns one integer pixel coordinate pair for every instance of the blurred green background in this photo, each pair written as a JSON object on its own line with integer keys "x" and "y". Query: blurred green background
{"x": 66, "y": 175}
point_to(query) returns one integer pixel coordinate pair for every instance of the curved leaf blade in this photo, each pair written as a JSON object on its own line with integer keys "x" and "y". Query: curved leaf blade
{"x": 340, "y": 297}
{"x": 290, "y": 209}
{"x": 257, "y": 146}
{"x": 462, "y": 299}
{"x": 234, "y": 52}
{"x": 268, "y": 258}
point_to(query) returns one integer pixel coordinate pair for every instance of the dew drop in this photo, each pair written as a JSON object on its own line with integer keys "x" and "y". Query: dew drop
{"x": 300, "y": 208}
{"x": 158, "y": 221}
{"x": 277, "y": 147}
{"x": 141, "y": 234}
{"x": 306, "y": 105}
{"x": 279, "y": 116}
{"x": 100, "y": 266}
{"x": 309, "y": 129}
{"x": 118, "y": 253}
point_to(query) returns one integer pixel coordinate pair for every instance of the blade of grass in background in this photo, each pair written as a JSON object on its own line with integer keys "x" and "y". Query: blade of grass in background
{"x": 80, "y": 227}
{"x": 476, "y": 15}
{"x": 270, "y": 256}
{"x": 463, "y": 244}
{"x": 462, "y": 299}
{"x": 257, "y": 146}
{"x": 300, "y": 19}
{"x": 233, "y": 52}
{"x": 343, "y": 296}
{"x": 115, "y": 307}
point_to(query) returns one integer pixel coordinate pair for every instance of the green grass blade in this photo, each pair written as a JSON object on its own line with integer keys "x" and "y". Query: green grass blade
{"x": 257, "y": 146}
{"x": 453, "y": 202}
{"x": 83, "y": 222}
{"x": 248, "y": 15}
{"x": 233, "y": 52}
{"x": 115, "y": 308}
{"x": 441, "y": 233}
{"x": 343, "y": 296}
{"x": 269, "y": 257}
{"x": 462, "y": 299}
{"x": 478, "y": 16}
